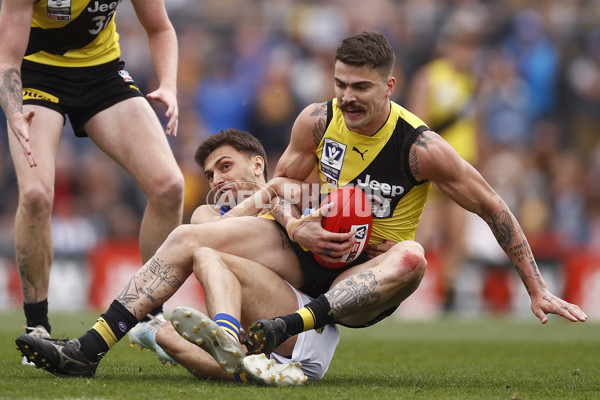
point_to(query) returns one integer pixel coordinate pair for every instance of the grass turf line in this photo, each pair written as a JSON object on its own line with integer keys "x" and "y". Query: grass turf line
{"x": 443, "y": 359}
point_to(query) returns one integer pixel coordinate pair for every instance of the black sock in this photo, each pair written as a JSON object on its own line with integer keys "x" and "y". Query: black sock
{"x": 107, "y": 331}
{"x": 155, "y": 312}
{"x": 37, "y": 314}
{"x": 314, "y": 315}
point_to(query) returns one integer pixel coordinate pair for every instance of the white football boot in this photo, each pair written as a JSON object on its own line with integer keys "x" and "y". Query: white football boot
{"x": 263, "y": 370}
{"x": 144, "y": 335}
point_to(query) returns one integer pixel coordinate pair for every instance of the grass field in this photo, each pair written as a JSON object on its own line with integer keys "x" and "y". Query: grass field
{"x": 444, "y": 359}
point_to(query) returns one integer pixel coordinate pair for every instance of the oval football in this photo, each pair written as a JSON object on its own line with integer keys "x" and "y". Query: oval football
{"x": 351, "y": 212}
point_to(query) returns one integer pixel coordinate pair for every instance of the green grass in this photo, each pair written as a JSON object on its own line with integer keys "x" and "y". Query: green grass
{"x": 442, "y": 359}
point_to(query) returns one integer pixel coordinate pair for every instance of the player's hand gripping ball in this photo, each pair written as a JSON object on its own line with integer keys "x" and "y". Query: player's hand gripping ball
{"x": 351, "y": 212}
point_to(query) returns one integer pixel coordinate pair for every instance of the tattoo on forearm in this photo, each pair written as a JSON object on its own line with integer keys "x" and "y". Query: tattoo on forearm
{"x": 156, "y": 282}
{"x": 11, "y": 91}
{"x": 353, "y": 294}
{"x": 281, "y": 209}
{"x": 319, "y": 126}
{"x": 504, "y": 229}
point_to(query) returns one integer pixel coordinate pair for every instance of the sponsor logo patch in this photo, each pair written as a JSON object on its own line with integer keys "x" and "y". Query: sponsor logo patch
{"x": 34, "y": 94}
{"x": 125, "y": 75}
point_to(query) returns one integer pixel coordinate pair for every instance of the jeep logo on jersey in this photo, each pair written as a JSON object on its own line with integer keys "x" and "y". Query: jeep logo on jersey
{"x": 103, "y": 6}
{"x": 385, "y": 188}
{"x": 332, "y": 159}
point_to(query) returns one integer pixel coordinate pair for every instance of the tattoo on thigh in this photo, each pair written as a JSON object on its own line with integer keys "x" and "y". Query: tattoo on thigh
{"x": 154, "y": 282}
{"x": 353, "y": 294}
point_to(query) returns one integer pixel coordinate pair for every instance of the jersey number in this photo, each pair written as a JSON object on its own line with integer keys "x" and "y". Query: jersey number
{"x": 101, "y": 22}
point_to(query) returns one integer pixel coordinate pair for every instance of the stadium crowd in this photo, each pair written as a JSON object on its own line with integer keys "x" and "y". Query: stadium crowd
{"x": 251, "y": 65}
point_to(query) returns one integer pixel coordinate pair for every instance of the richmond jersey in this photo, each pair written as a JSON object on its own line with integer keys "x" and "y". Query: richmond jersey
{"x": 73, "y": 33}
{"x": 379, "y": 165}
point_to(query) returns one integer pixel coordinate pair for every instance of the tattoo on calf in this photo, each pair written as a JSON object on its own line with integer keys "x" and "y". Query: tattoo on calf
{"x": 152, "y": 282}
{"x": 353, "y": 294}
{"x": 11, "y": 91}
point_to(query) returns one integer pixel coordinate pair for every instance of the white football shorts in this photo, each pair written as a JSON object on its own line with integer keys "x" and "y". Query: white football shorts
{"x": 314, "y": 350}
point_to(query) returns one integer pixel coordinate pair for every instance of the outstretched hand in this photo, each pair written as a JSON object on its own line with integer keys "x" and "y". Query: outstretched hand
{"x": 19, "y": 124}
{"x": 169, "y": 100}
{"x": 308, "y": 232}
{"x": 544, "y": 303}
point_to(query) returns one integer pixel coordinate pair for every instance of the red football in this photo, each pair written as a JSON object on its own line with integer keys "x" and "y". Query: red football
{"x": 351, "y": 212}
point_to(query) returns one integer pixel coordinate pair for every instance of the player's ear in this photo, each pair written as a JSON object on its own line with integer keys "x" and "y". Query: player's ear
{"x": 259, "y": 165}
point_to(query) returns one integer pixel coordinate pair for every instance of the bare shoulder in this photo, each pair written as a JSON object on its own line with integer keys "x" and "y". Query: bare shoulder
{"x": 312, "y": 122}
{"x": 205, "y": 213}
{"x": 432, "y": 158}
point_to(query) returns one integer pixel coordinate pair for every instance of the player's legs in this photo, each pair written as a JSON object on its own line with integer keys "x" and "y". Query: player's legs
{"x": 360, "y": 296}
{"x": 33, "y": 239}
{"x": 362, "y": 293}
{"x": 190, "y": 356}
{"x": 131, "y": 134}
{"x": 252, "y": 292}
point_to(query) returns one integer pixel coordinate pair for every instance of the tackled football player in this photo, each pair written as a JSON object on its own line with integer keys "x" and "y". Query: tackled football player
{"x": 237, "y": 290}
{"x": 394, "y": 149}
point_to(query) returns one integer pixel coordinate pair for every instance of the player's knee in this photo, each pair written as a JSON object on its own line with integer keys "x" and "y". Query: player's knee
{"x": 204, "y": 258}
{"x": 182, "y": 239}
{"x": 168, "y": 193}
{"x": 409, "y": 260}
{"x": 36, "y": 201}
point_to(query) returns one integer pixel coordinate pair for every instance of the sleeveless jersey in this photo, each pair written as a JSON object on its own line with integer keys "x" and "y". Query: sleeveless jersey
{"x": 379, "y": 165}
{"x": 450, "y": 93}
{"x": 73, "y": 33}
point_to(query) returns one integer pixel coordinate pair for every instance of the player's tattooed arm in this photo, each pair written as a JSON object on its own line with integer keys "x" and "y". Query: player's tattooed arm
{"x": 353, "y": 294}
{"x": 320, "y": 112}
{"x": 413, "y": 160}
{"x": 512, "y": 240}
{"x": 282, "y": 210}
{"x": 11, "y": 91}
{"x": 150, "y": 287}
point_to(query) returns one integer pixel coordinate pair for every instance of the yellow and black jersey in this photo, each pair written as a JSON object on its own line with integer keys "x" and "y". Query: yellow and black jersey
{"x": 379, "y": 165}
{"x": 73, "y": 33}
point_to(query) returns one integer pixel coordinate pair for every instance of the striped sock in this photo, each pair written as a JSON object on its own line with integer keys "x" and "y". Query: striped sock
{"x": 242, "y": 378}
{"x": 314, "y": 315}
{"x": 229, "y": 323}
{"x": 107, "y": 331}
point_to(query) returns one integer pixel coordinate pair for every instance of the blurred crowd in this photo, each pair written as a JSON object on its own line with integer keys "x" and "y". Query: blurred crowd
{"x": 529, "y": 99}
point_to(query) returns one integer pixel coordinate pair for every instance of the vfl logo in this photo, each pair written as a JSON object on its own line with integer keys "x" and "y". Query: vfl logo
{"x": 59, "y": 10}
{"x": 360, "y": 232}
{"x": 122, "y": 327}
{"x": 332, "y": 159}
{"x": 362, "y": 155}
